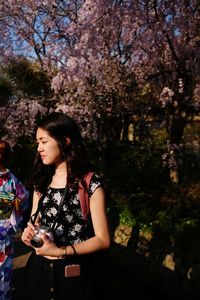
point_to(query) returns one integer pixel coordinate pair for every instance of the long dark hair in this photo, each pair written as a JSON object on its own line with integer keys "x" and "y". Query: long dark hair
{"x": 60, "y": 126}
{"x": 5, "y": 152}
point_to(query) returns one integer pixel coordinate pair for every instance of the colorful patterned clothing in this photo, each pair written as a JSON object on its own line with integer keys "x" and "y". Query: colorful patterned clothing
{"x": 13, "y": 204}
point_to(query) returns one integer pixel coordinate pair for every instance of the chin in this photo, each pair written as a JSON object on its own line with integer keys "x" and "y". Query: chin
{"x": 45, "y": 162}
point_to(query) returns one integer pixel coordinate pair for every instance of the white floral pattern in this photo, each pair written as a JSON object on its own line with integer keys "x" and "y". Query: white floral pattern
{"x": 70, "y": 227}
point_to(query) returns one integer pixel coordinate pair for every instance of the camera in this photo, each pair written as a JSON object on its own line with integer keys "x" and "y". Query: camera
{"x": 37, "y": 240}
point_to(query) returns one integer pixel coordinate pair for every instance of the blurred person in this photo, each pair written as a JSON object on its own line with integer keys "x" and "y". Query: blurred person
{"x": 66, "y": 263}
{"x": 13, "y": 204}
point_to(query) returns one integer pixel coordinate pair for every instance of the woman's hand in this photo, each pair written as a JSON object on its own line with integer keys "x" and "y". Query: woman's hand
{"x": 48, "y": 248}
{"x": 28, "y": 234}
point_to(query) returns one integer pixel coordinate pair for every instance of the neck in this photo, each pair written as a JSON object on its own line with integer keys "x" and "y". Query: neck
{"x": 59, "y": 179}
{"x": 61, "y": 169}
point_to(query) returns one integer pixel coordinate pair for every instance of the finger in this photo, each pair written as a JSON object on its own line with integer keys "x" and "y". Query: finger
{"x": 25, "y": 241}
{"x": 28, "y": 232}
{"x": 30, "y": 225}
{"x": 27, "y": 235}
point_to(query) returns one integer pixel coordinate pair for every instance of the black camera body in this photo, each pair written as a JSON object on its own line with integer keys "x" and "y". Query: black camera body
{"x": 37, "y": 241}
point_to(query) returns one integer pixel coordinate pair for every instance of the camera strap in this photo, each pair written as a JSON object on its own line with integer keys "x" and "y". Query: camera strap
{"x": 34, "y": 216}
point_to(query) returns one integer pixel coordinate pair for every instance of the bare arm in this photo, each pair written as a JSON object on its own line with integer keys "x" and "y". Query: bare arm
{"x": 101, "y": 239}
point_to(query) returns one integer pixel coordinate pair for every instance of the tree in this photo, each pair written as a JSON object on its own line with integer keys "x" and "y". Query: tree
{"x": 101, "y": 54}
{"x": 18, "y": 119}
{"x": 5, "y": 90}
{"x": 25, "y": 78}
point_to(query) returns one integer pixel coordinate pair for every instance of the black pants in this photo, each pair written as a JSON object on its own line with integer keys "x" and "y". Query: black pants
{"x": 45, "y": 279}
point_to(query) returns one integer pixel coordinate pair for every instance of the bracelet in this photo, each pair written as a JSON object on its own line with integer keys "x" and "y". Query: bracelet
{"x": 65, "y": 248}
{"x": 75, "y": 253}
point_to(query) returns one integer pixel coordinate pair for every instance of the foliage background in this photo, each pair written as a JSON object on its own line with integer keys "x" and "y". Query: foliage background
{"x": 128, "y": 72}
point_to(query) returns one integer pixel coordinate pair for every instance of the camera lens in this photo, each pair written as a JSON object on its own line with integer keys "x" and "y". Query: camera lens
{"x": 36, "y": 242}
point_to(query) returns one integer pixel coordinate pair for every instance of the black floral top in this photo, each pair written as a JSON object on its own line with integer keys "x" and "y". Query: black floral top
{"x": 70, "y": 228}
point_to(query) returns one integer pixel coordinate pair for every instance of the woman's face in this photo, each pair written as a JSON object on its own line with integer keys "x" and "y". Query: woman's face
{"x": 48, "y": 148}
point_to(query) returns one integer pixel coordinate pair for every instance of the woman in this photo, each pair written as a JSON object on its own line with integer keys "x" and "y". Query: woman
{"x": 67, "y": 265}
{"x": 13, "y": 204}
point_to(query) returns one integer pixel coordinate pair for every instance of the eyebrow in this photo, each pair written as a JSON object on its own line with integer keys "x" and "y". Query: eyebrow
{"x": 41, "y": 138}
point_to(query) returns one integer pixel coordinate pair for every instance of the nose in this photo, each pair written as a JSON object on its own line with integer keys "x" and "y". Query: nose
{"x": 39, "y": 148}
